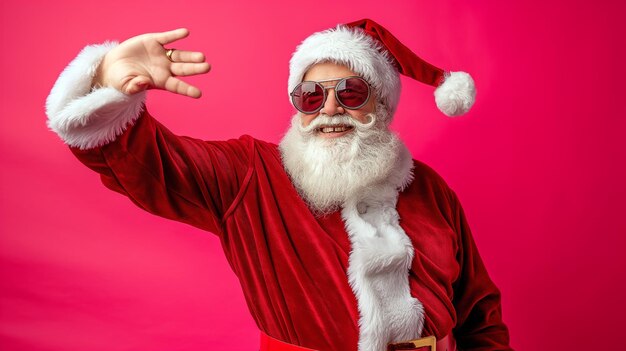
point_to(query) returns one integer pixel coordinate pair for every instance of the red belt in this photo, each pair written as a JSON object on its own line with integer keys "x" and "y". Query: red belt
{"x": 429, "y": 343}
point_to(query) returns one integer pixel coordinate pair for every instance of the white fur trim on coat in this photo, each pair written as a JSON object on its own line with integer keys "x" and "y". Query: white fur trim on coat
{"x": 379, "y": 263}
{"x": 355, "y": 49}
{"x": 456, "y": 95}
{"x": 87, "y": 118}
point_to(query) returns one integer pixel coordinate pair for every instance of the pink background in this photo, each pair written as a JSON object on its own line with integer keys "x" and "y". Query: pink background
{"x": 539, "y": 165}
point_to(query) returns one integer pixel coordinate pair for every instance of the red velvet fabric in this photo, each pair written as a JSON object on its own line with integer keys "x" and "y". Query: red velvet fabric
{"x": 291, "y": 265}
{"x": 407, "y": 62}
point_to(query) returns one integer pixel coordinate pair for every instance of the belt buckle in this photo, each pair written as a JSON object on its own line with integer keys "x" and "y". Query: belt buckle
{"x": 429, "y": 341}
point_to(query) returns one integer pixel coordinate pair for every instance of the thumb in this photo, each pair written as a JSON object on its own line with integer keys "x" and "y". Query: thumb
{"x": 138, "y": 84}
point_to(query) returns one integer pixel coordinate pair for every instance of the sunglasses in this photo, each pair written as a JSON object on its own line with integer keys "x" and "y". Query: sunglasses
{"x": 351, "y": 92}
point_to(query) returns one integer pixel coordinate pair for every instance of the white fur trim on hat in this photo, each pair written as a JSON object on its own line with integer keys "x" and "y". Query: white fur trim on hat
{"x": 456, "y": 95}
{"x": 355, "y": 49}
{"x": 87, "y": 118}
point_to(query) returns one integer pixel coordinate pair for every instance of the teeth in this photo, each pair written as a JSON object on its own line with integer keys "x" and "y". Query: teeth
{"x": 334, "y": 129}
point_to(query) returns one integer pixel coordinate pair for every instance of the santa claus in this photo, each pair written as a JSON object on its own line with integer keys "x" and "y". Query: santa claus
{"x": 340, "y": 240}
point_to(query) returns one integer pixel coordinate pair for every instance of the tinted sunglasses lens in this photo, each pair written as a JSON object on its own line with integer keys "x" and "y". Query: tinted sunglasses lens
{"x": 308, "y": 97}
{"x": 353, "y": 92}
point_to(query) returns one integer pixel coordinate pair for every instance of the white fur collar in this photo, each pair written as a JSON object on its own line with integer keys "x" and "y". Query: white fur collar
{"x": 380, "y": 260}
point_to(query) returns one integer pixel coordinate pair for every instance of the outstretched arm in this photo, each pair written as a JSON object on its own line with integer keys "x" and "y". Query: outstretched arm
{"x": 97, "y": 107}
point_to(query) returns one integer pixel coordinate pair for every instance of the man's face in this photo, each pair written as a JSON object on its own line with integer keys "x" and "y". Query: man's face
{"x": 329, "y": 70}
{"x": 327, "y": 167}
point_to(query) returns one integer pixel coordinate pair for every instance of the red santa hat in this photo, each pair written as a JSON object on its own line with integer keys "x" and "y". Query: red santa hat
{"x": 371, "y": 51}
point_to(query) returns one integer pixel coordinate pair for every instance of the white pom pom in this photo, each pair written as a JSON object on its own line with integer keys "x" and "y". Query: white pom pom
{"x": 456, "y": 95}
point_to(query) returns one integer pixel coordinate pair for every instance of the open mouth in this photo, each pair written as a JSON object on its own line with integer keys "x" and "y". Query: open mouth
{"x": 334, "y": 129}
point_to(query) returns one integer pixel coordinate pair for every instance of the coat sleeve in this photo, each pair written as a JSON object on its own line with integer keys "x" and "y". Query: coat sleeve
{"x": 476, "y": 298}
{"x": 179, "y": 178}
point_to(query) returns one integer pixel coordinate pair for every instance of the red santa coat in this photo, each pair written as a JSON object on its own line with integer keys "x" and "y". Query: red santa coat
{"x": 292, "y": 265}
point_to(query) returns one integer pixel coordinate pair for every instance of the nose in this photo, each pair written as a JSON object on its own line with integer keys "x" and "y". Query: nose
{"x": 332, "y": 106}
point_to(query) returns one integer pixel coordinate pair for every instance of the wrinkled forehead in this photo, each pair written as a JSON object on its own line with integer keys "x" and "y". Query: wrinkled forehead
{"x": 327, "y": 71}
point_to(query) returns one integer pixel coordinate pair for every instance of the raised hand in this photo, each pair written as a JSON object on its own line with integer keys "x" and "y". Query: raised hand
{"x": 141, "y": 63}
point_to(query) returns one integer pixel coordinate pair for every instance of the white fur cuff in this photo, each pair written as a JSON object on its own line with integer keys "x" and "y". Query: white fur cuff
{"x": 87, "y": 118}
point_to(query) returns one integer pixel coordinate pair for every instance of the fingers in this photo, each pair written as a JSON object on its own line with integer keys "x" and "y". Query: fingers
{"x": 189, "y": 69}
{"x": 187, "y": 56}
{"x": 170, "y": 36}
{"x": 184, "y": 63}
{"x": 177, "y": 86}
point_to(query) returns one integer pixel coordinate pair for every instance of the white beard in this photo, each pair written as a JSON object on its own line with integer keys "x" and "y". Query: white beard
{"x": 326, "y": 172}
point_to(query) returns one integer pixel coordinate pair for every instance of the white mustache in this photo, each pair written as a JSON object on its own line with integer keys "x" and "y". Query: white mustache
{"x": 337, "y": 120}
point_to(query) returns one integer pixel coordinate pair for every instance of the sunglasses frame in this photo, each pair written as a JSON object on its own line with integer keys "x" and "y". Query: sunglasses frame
{"x": 324, "y": 88}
